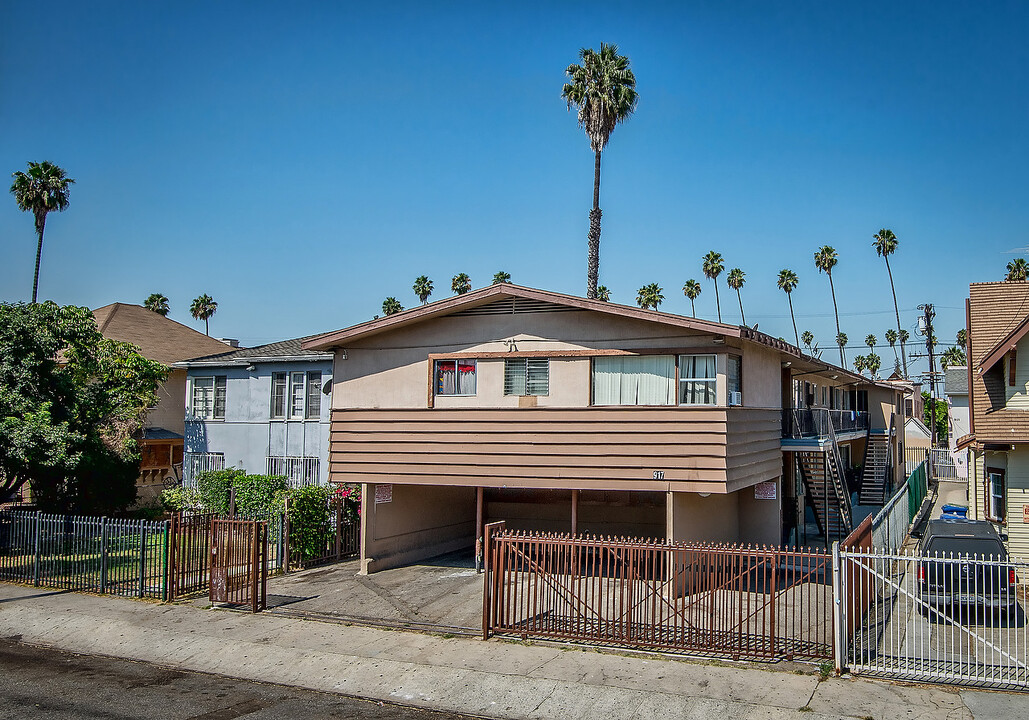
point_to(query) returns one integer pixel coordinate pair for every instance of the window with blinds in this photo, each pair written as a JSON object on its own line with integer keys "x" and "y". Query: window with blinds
{"x": 527, "y": 376}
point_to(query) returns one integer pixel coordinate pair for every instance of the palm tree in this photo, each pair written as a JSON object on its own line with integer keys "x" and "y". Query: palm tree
{"x": 902, "y": 337}
{"x": 1018, "y": 270}
{"x": 885, "y": 244}
{"x": 808, "y": 338}
{"x": 962, "y": 338}
{"x": 202, "y": 309}
{"x": 43, "y": 189}
{"x": 841, "y": 340}
{"x": 461, "y": 283}
{"x": 952, "y": 356}
{"x": 158, "y": 303}
{"x": 787, "y": 283}
{"x": 692, "y": 290}
{"x": 873, "y": 362}
{"x": 422, "y": 288}
{"x": 870, "y": 341}
{"x": 391, "y": 306}
{"x": 603, "y": 294}
{"x": 501, "y": 277}
{"x": 859, "y": 363}
{"x": 825, "y": 261}
{"x": 736, "y": 279}
{"x": 713, "y": 267}
{"x": 650, "y": 296}
{"x": 603, "y": 89}
{"x": 891, "y": 338}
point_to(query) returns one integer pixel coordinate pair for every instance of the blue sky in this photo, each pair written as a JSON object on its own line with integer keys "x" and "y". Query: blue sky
{"x": 302, "y": 161}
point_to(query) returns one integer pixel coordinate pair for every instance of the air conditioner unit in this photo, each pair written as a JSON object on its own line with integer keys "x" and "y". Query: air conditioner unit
{"x": 736, "y": 398}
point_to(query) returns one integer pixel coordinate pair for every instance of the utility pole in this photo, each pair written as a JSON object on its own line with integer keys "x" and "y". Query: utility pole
{"x": 929, "y": 314}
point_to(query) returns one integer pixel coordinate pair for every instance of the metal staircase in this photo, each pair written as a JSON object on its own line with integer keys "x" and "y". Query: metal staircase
{"x": 826, "y": 488}
{"x": 875, "y": 476}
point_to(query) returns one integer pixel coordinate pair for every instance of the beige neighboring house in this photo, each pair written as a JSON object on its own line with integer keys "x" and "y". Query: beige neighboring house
{"x": 167, "y": 342}
{"x": 998, "y": 384}
{"x": 557, "y": 413}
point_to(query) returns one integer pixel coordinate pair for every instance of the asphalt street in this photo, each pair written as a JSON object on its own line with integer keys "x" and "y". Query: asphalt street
{"x": 42, "y": 683}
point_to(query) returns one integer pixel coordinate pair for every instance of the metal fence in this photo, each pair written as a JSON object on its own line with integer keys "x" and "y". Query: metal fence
{"x": 891, "y": 526}
{"x": 96, "y": 554}
{"x": 810, "y": 422}
{"x": 945, "y": 618}
{"x": 195, "y": 463}
{"x": 297, "y": 470}
{"x": 941, "y": 464}
{"x": 726, "y": 601}
{"x": 341, "y": 540}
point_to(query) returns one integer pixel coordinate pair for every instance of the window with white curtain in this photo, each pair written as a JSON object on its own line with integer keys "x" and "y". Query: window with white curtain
{"x": 527, "y": 376}
{"x": 208, "y": 397}
{"x": 697, "y": 379}
{"x": 634, "y": 380}
{"x": 455, "y": 377}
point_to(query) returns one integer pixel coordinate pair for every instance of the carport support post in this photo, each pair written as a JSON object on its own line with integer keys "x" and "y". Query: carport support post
{"x": 575, "y": 513}
{"x": 839, "y": 630}
{"x": 478, "y": 529}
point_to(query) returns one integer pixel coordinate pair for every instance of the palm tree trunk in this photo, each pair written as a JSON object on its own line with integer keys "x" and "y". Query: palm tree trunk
{"x": 40, "y": 224}
{"x": 718, "y": 303}
{"x": 795, "y": 335}
{"x": 836, "y": 312}
{"x": 903, "y": 354}
{"x": 740, "y": 298}
{"x": 693, "y": 307}
{"x": 593, "y": 242}
{"x": 207, "y": 327}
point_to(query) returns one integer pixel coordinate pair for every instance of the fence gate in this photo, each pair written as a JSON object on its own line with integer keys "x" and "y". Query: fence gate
{"x": 954, "y": 619}
{"x": 239, "y": 568}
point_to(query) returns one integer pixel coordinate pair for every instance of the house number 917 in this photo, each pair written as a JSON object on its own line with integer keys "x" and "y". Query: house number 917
{"x": 659, "y": 474}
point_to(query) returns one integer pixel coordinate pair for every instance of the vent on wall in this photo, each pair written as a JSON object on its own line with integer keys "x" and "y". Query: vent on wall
{"x": 514, "y": 306}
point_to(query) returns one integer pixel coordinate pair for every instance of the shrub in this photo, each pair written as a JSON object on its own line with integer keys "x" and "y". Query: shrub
{"x": 259, "y": 495}
{"x": 308, "y": 513}
{"x": 350, "y": 496}
{"x": 180, "y": 498}
{"x": 214, "y": 486}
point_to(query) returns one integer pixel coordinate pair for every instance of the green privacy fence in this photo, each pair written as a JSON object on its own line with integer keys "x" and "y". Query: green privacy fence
{"x": 918, "y": 488}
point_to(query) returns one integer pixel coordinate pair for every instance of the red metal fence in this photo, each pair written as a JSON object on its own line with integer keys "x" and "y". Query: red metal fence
{"x": 239, "y": 550}
{"x": 189, "y": 548}
{"x": 725, "y": 600}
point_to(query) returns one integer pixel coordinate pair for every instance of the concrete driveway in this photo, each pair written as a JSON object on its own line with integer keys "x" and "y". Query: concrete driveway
{"x": 443, "y": 593}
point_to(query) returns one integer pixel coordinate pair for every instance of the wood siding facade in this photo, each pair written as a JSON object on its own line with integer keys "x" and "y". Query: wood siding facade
{"x": 711, "y": 449}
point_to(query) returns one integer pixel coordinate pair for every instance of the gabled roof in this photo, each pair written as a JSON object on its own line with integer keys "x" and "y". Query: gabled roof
{"x": 505, "y": 298}
{"x": 281, "y": 351}
{"x": 1005, "y": 345}
{"x": 157, "y": 337}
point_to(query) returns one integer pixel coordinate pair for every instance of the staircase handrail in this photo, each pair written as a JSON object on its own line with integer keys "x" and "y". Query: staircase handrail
{"x": 887, "y": 485}
{"x": 840, "y": 481}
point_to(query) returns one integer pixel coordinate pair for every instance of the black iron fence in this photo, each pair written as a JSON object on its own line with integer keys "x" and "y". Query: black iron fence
{"x": 815, "y": 422}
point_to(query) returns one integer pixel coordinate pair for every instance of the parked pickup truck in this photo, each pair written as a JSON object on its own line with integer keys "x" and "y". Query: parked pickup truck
{"x": 964, "y": 563}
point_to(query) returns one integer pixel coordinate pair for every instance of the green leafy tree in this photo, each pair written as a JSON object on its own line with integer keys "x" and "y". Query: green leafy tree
{"x": 603, "y": 90}
{"x": 501, "y": 277}
{"x": 42, "y": 189}
{"x": 788, "y": 283}
{"x": 891, "y": 338}
{"x": 391, "y": 306}
{"x": 202, "y": 309}
{"x": 692, "y": 290}
{"x": 825, "y": 261}
{"x": 1018, "y": 270}
{"x": 713, "y": 267}
{"x": 158, "y": 303}
{"x": 603, "y": 294}
{"x": 72, "y": 407}
{"x": 650, "y": 296}
{"x": 736, "y": 280}
{"x": 422, "y": 288}
{"x": 885, "y": 244}
{"x": 808, "y": 338}
{"x": 461, "y": 283}
{"x": 941, "y": 416}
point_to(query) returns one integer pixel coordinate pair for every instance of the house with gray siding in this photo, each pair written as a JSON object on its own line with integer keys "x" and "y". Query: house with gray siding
{"x": 263, "y": 409}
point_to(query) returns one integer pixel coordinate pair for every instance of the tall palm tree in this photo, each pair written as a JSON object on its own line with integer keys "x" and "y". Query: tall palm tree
{"x": 158, "y": 303}
{"x": 873, "y": 362}
{"x": 891, "y": 338}
{"x": 808, "y": 338}
{"x": 713, "y": 267}
{"x": 43, "y": 189}
{"x": 902, "y": 337}
{"x": 825, "y": 261}
{"x": 202, "y": 309}
{"x": 870, "y": 341}
{"x": 885, "y": 244}
{"x": 692, "y": 290}
{"x": 841, "y": 340}
{"x": 736, "y": 279}
{"x": 501, "y": 277}
{"x": 603, "y": 90}
{"x": 859, "y": 363}
{"x": 422, "y": 288}
{"x": 461, "y": 283}
{"x": 1018, "y": 270}
{"x": 391, "y": 306}
{"x": 603, "y": 294}
{"x": 788, "y": 283}
{"x": 962, "y": 338}
{"x": 952, "y": 356}
{"x": 650, "y": 296}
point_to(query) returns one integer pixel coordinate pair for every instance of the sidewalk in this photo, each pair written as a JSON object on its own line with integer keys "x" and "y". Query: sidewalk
{"x": 494, "y": 679}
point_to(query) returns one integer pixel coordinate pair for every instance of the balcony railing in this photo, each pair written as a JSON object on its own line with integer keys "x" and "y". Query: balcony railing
{"x": 195, "y": 463}
{"x": 815, "y": 422}
{"x": 298, "y": 470}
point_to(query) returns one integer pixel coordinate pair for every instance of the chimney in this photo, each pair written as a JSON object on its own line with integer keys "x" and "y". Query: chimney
{"x": 231, "y": 342}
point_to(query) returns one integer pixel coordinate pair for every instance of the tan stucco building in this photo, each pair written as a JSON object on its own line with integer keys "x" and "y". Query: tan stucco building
{"x": 557, "y": 413}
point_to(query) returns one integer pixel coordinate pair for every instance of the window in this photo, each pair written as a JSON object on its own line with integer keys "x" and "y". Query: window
{"x": 208, "y": 397}
{"x": 455, "y": 377}
{"x": 634, "y": 380}
{"x": 996, "y": 493}
{"x": 734, "y": 379}
{"x": 302, "y": 392}
{"x": 697, "y": 379}
{"x": 825, "y": 396}
{"x": 527, "y": 376}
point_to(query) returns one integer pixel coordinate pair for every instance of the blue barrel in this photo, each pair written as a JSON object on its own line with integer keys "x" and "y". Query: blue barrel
{"x": 955, "y": 511}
